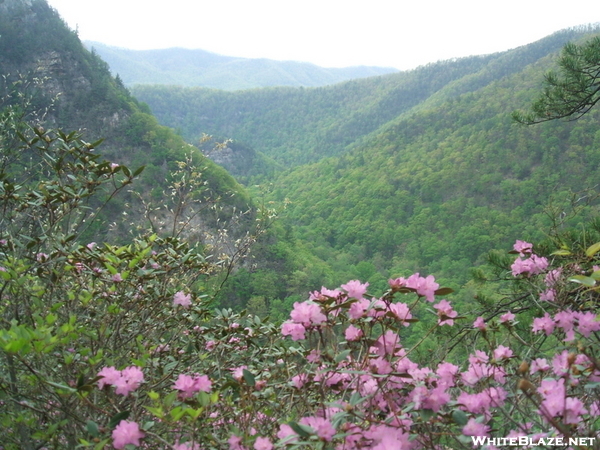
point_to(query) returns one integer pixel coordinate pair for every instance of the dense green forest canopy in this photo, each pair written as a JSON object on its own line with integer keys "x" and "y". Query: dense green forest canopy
{"x": 417, "y": 171}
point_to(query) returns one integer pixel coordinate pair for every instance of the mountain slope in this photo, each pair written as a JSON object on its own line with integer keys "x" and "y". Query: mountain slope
{"x": 435, "y": 190}
{"x": 300, "y": 125}
{"x": 40, "y": 53}
{"x": 413, "y": 171}
{"x": 184, "y": 67}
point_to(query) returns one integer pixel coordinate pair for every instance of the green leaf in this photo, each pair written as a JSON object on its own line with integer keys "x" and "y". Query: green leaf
{"x": 342, "y": 356}
{"x": 116, "y": 419}
{"x": 156, "y": 411}
{"x": 426, "y": 414}
{"x": 249, "y": 378}
{"x": 582, "y": 279}
{"x": 177, "y": 413}
{"x": 459, "y": 417}
{"x": 300, "y": 430}
{"x": 444, "y": 291}
{"x": 62, "y": 386}
{"x": 92, "y": 428}
{"x": 592, "y": 250}
{"x": 126, "y": 171}
{"x": 102, "y": 445}
{"x": 561, "y": 252}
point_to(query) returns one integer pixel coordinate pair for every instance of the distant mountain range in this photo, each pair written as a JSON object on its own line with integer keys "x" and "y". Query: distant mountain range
{"x": 184, "y": 67}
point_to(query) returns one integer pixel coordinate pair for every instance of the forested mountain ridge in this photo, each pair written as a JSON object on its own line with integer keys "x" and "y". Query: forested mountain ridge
{"x": 299, "y": 125}
{"x": 186, "y": 67}
{"x": 416, "y": 171}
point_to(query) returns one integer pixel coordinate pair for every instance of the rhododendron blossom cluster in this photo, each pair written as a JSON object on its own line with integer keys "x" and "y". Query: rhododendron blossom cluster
{"x": 125, "y": 381}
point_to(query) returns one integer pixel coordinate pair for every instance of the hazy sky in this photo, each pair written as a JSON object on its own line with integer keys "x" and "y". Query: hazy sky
{"x": 330, "y": 33}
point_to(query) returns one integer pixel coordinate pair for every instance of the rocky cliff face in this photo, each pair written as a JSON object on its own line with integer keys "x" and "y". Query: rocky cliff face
{"x": 75, "y": 85}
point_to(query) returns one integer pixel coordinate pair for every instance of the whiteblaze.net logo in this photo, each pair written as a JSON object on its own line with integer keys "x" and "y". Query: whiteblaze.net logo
{"x": 526, "y": 441}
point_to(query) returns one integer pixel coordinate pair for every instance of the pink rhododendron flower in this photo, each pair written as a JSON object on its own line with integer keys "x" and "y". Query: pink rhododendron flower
{"x": 109, "y": 376}
{"x": 522, "y": 247}
{"x": 130, "y": 380}
{"x": 587, "y": 323}
{"x": 300, "y": 380}
{"x": 359, "y": 309}
{"x": 117, "y": 278}
{"x": 387, "y": 343}
{"x": 307, "y": 314}
{"x": 125, "y": 433}
{"x": 502, "y": 352}
{"x": 295, "y": 330}
{"x": 286, "y": 431}
{"x": 238, "y": 372}
{"x": 322, "y": 427}
{"x": 125, "y": 381}
{"x": 263, "y": 443}
{"x": 380, "y": 366}
{"x": 425, "y": 287}
{"x": 548, "y": 295}
{"x": 474, "y": 428}
{"x": 533, "y": 265}
{"x": 352, "y": 333}
{"x": 552, "y": 277}
{"x": 397, "y": 283}
{"x": 477, "y": 403}
{"x": 507, "y": 317}
{"x": 545, "y": 324}
{"x": 566, "y": 320}
{"x": 188, "y": 385}
{"x": 386, "y": 437}
{"x": 324, "y": 293}
{"x": 574, "y": 408}
{"x": 480, "y": 323}
{"x": 235, "y": 443}
{"x": 355, "y": 289}
{"x": 401, "y": 311}
{"x": 445, "y": 313}
{"x": 539, "y": 365}
{"x": 447, "y": 373}
{"x": 314, "y": 356}
{"x": 436, "y": 398}
{"x": 180, "y": 298}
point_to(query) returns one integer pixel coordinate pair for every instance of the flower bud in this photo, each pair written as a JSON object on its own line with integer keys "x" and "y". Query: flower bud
{"x": 526, "y": 386}
{"x": 523, "y": 368}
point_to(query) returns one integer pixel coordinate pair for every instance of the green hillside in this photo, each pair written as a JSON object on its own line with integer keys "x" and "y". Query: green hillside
{"x": 416, "y": 171}
{"x": 299, "y": 125}
{"x": 185, "y": 67}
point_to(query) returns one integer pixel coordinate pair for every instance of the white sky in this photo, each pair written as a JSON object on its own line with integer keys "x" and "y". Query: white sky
{"x": 329, "y": 33}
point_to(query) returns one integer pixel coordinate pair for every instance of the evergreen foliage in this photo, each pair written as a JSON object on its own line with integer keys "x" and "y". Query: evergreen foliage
{"x": 574, "y": 90}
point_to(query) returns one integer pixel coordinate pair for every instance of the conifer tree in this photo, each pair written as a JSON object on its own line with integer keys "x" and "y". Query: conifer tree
{"x": 571, "y": 91}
